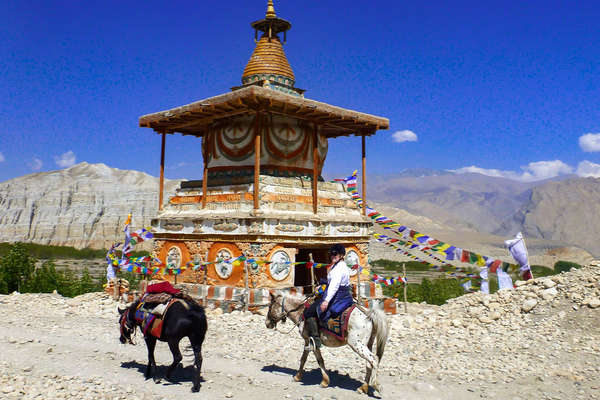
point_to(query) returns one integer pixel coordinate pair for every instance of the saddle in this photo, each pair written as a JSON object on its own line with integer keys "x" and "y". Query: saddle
{"x": 154, "y": 305}
{"x": 337, "y": 326}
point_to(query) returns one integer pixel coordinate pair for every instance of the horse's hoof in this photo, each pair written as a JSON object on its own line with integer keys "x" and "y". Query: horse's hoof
{"x": 195, "y": 389}
{"x": 157, "y": 380}
{"x": 298, "y": 377}
{"x": 364, "y": 388}
{"x": 377, "y": 388}
{"x": 324, "y": 384}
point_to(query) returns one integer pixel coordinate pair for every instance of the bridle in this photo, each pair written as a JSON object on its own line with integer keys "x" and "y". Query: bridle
{"x": 126, "y": 327}
{"x": 283, "y": 314}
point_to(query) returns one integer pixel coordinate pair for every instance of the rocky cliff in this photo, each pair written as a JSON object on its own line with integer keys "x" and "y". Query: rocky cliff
{"x": 81, "y": 206}
{"x": 568, "y": 211}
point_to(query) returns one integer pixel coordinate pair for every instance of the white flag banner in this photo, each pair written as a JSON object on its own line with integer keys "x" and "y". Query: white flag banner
{"x": 504, "y": 280}
{"x": 485, "y": 286}
{"x": 467, "y": 285}
{"x": 518, "y": 250}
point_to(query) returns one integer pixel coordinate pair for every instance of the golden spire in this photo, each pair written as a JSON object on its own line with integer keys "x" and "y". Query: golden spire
{"x": 270, "y": 10}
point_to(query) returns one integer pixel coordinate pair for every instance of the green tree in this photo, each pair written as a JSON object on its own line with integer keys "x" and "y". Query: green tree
{"x": 45, "y": 279}
{"x": 16, "y": 269}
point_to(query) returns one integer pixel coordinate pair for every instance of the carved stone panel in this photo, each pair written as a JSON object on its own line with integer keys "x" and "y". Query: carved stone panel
{"x": 348, "y": 229}
{"x": 225, "y": 226}
{"x": 173, "y": 226}
{"x": 289, "y": 228}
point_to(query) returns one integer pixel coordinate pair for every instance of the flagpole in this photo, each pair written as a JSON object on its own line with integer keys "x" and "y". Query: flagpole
{"x": 527, "y": 255}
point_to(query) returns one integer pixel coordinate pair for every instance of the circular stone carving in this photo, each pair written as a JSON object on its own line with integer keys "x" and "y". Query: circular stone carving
{"x": 174, "y": 257}
{"x": 279, "y": 269}
{"x": 224, "y": 269}
{"x": 351, "y": 260}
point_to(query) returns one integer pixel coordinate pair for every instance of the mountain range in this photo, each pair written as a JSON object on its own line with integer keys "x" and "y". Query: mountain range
{"x": 85, "y": 206}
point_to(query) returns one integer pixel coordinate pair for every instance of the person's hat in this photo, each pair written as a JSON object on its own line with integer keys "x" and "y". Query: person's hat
{"x": 337, "y": 249}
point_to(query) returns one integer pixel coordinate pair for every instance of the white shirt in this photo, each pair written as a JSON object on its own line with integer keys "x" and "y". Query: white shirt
{"x": 336, "y": 277}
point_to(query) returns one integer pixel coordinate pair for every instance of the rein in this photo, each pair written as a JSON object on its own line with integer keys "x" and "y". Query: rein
{"x": 284, "y": 314}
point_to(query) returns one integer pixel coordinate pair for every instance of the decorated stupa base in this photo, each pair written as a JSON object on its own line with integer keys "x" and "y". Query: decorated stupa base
{"x": 282, "y": 232}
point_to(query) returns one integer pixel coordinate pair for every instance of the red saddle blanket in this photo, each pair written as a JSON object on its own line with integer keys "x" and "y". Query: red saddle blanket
{"x": 338, "y": 326}
{"x": 162, "y": 287}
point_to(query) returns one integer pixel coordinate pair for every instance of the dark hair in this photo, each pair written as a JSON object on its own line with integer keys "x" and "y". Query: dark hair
{"x": 337, "y": 249}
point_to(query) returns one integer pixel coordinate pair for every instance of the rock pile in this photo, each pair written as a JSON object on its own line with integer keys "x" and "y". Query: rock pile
{"x": 537, "y": 341}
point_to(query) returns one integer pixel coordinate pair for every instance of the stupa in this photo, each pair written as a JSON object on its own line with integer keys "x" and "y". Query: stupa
{"x": 262, "y": 195}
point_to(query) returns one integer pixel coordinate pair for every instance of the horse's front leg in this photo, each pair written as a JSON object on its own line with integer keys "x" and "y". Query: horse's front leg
{"x": 150, "y": 344}
{"x": 177, "y": 357}
{"x": 298, "y": 376}
{"x": 325, "y": 381}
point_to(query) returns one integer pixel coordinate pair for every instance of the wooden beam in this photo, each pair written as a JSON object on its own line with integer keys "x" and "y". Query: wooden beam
{"x": 315, "y": 168}
{"x": 204, "y": 176}
{"x": 364, "y": 177}
{"x": 257, "y": 127}
{"x": 161, "y": 182}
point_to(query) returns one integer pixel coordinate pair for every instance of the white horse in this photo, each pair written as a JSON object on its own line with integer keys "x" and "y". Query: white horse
{"x": 363, "y": 327}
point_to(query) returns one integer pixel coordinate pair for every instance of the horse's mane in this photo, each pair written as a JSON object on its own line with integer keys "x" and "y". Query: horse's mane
{"x": 295, "y": 297}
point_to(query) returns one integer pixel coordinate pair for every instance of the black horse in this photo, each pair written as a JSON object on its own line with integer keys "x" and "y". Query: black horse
{"x": 183, "y": 318}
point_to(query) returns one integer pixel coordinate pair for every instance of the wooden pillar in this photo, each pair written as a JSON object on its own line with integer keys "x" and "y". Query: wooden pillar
{"x": 247, "y": 290}
{"x": 358, "y": 297}
{"x": 256, "y": 159}
{"x": 204, "y": 179}
{"x": 364, "y": 176}
{"x": 161, "y": 182}
{"x": 405, "y": 287}
{"x": 315, "y": 182}
{"x": 312, "y": 272}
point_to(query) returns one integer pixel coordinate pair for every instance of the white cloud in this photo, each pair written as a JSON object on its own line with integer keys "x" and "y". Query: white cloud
{"x": 590, "y": 142}
{"x": 2, "y": 157}
{"x": 489, "y": 172}
{"x": 588, "y": 169}
{"x": 404, "y": 136}
{"x": 534, "y": 171}
{"x": 65, "y": 160}
{"x": 36, "y": 164}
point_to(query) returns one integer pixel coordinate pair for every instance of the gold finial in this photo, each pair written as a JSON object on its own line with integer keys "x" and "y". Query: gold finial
{"x": 271, "y": 10}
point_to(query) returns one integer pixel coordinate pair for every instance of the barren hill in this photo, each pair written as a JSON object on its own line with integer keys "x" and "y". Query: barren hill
{"x": 81, "y": 206}
{"x": 568, "y": 211}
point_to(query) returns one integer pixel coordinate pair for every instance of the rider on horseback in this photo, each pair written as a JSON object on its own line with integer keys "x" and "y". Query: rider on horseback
{"x": 338, "y": 295}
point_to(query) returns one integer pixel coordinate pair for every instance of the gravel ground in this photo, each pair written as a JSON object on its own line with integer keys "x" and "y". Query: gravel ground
{"x": 499, "y": 346}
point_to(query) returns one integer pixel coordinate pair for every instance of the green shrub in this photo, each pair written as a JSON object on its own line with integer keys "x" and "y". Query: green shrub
{"x": 437, "y": 291}
{"x": 541, "y": 270}
{"x": 564, "y": 266}
{"x": 390, "y": 265}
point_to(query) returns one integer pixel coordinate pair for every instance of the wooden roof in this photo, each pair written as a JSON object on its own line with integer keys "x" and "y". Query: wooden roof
{"x": 194, "y": 118}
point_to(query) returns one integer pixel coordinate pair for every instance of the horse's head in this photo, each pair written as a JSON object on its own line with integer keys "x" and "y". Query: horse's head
{"x": 126, "y": 325}
{"x": 276, "y": 312}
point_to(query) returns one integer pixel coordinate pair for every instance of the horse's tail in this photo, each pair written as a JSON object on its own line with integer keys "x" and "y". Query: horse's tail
{"x": 381, "y": 327}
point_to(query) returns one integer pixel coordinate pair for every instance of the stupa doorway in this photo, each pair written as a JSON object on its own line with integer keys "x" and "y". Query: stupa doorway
{"x": 302, "y": 274}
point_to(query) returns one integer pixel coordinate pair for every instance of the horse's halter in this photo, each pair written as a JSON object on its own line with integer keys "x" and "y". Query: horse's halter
{"x": 283, "y": 314}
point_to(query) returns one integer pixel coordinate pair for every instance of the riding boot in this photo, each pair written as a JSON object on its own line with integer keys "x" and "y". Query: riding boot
{"x": 313, "y": 331}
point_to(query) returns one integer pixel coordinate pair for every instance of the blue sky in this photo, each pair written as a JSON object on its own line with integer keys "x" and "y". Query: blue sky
{"x": 504, "y": 88}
